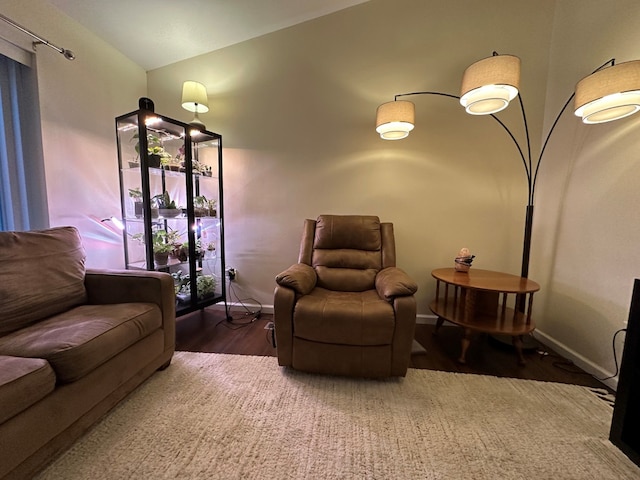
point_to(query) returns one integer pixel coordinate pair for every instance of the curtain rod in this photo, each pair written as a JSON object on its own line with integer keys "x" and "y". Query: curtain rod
{"x": 68, "y": 54}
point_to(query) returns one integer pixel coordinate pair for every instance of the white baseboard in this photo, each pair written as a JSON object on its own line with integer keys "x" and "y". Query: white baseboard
{"x": 577, "y": 359}
{"x": 250, "y": 306}
{"x": 425, "y": 319}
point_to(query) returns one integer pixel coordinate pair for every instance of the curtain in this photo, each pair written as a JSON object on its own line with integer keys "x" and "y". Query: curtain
{"x": 23, "y": 204}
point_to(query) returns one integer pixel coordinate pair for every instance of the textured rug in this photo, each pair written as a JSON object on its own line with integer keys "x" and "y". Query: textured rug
{"x": 216, "y": 416}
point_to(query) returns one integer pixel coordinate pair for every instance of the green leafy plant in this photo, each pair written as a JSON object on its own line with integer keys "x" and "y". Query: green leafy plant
{"x": 154, "y": 147}
{"x": 208, "y": 207}
{"x": 164, "y": 201}
{"x": 205, "y": 284}
{"x": 162, "y": 241}
{"x": 135, "y": 194}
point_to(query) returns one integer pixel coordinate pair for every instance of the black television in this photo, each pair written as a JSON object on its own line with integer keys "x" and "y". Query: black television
{"x": 625, "y": 424}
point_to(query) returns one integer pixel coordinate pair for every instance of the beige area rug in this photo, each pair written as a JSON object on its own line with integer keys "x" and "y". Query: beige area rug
{"x": 211, "y": 416}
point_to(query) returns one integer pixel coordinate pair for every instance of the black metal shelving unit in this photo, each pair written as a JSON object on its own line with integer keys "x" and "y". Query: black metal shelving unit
{"x": 159, "y": 157}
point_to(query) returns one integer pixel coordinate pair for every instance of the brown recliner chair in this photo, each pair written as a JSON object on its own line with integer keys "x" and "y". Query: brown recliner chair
{"x": 344, "y": 308}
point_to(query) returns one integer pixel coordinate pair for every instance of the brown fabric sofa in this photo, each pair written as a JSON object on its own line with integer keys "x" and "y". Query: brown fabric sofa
{"x": 73, "y": 343}
{"x": 345, "y": 308}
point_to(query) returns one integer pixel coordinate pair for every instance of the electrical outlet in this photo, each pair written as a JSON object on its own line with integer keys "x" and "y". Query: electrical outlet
{"x": 232, "y": 273}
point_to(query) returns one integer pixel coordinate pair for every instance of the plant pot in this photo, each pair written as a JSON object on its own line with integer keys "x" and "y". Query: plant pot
{"x": 169, "y": 212}
{"x": 137, "y": 209}
{"x": 183, "y": 254}
{"x": 154, "y": 160}
{"x": 161, "y": 258}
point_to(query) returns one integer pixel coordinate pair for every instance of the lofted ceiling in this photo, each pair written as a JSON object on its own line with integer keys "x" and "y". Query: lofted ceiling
{"x": 155, "y": 33}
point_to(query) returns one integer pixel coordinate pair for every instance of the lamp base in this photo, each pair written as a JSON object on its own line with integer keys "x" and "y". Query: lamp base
{"x": 196, "y": 123}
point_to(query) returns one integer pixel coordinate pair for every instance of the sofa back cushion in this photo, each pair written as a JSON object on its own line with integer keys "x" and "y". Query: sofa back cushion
{"x": 42, "y": 274}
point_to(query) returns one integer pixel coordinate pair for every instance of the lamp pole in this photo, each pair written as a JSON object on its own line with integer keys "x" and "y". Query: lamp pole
{"x": 526, "y": 161}
{"x": 531, "y": 169}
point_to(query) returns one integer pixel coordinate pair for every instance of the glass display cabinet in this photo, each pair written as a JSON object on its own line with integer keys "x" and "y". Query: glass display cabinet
{"x": 172, "y": 204}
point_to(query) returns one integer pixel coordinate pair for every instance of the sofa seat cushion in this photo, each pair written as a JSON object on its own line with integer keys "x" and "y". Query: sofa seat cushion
{"x": 79, "y": 340}
{"x": 23, "y": 381}
{"x": 344, "y": 318}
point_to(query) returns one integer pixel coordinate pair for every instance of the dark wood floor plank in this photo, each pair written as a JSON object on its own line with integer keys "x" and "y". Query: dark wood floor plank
{"x": 210, "y": 331}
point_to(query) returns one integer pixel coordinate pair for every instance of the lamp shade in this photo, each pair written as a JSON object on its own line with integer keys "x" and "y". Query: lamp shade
{"x": 609, "y": 94}
{"x": 394, "y": 120}
{"x": 490, "y": 84}
{"x": 194, "y": 97}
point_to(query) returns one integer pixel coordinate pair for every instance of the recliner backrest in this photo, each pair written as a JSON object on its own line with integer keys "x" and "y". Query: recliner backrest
{"x": 347, "y": 251}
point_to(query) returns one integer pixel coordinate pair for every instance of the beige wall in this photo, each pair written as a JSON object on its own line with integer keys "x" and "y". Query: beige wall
{"x": 79, "y": 101}
{"x": 296, "y": 109}
{"x": 587, "y": 225}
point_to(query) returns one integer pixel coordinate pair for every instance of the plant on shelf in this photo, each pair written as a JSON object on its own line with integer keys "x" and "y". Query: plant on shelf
{"x": 136, "y": 197}
{"x": 166, "y": 206}
{"x": 206, "y": 170}
{"x": 182, "y": 252}
{"x": 200, "y": 206}
{"x": 212, "y": 208}
{"x": 205, "y": 284}
{"x": 163, "y": 242}
{"x": 158, "y": 156}
{"x": 200, "y": 168}
{"x": 203, "y": 207}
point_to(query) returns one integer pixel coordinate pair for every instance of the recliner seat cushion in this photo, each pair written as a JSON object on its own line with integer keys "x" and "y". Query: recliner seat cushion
{"x": 42, "y": 275}
{"x": 344, "y": 318}
{"x": 77, "y": 341}
{"x": 23, "y": 381}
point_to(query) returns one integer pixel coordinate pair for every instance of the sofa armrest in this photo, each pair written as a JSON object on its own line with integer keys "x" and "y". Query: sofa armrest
{"x": 299, "y": 277}
{"x": 394, "y": 282}
{"x": 131, "y": 286}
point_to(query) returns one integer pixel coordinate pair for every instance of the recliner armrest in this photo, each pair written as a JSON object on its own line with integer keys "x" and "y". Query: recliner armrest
{"x": 394, "y": 282}
{"x": 300, "y": 277}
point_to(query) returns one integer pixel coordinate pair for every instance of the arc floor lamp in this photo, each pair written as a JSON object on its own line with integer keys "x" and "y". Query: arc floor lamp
{"x": 610, "y": 93}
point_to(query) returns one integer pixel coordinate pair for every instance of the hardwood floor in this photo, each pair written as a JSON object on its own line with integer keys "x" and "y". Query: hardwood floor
{"x": 209, "y": 331}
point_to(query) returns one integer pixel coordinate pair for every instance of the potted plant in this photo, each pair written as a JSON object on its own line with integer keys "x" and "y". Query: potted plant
{"x": 206, "y": 170}
{"x": 205, "y": 285}
{"x": 163, "y": 242}
{"x": 200, "y": 206}
{"x": 157, "y": 155}
{"x": 136, "y": 197}
{"x": 166, "y": 206}
{"x": 183, "y": 251}
{"x": 135, "y": 194}
{"x": 203, "y": 207}
{"x": 212, "y": 208}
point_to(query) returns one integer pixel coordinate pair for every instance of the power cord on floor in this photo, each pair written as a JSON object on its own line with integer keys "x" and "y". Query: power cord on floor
{"x": 242, "y": 311}
{"x": 615, "y": 356}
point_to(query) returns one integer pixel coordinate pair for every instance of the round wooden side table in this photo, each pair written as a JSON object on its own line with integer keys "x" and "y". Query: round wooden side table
{"x": 484, "y": 301}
